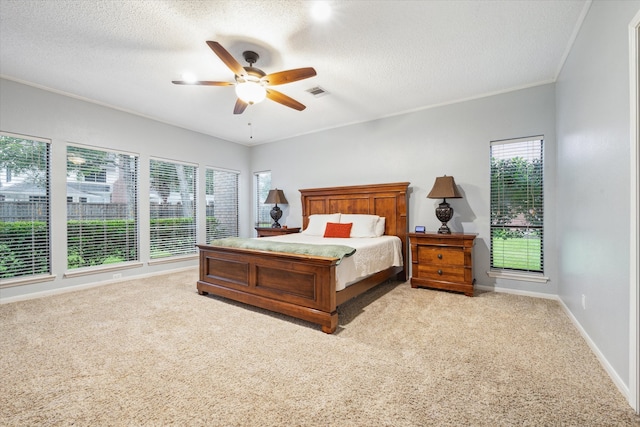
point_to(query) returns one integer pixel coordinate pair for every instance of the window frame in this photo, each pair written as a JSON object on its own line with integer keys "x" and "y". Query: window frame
{"x": 261, "y": 211}
{"x": 531, "y": 223}
{"x": 33, "y": 276}
{"x": 84, "y": 205}
{"x": 188, "y": 250}
{"x": 235, "y": 227}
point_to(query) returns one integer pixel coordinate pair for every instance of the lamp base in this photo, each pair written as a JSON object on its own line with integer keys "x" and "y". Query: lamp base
{"x": 276, "y": 214}
{"x": 444, "y": 213}
{"x": 444, "y": 229}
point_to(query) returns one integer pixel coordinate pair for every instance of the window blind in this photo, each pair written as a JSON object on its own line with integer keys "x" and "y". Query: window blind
{"x": 222, "y": 204}
{"x": 102, "y": 209}
{"x": 262, "y": 186}
{"x": 517, "y": 205}
{"x": 172, "y": 208}
{"x": 25, "y": 248}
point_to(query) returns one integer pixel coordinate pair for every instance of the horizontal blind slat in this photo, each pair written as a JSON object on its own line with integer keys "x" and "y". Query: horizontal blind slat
{"x": 517, "y": 209}
{"x": 102, "y": 208}
{"x": 222, "y": 204}
{"x": 263, "y": 185}
{"x": 173, "y": 208}
{"x": 25, "y": 247}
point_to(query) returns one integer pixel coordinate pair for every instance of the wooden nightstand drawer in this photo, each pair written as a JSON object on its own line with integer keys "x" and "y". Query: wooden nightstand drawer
{"x": 445, "y": 273}
{"x": 445, "y": 241}
{"x": 440, "y": 256}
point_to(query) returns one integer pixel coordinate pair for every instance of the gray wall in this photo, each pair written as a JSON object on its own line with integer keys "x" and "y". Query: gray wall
{"x": 593, "y": 132}
{"x": 34, "y": 112}
{"x": 418, "y": 147}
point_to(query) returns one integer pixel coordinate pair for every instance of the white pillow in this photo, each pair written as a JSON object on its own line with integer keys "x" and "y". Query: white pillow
{"x": 380, "y": 226}
{"x": 318, "y": 223}
{"x": 363, "y": 225}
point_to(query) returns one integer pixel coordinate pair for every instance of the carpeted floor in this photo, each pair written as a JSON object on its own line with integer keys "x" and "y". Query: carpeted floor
{"x": 153, "y": 352}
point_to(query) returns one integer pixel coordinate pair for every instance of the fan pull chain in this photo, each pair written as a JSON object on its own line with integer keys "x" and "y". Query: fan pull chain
{"x": 250, "y": 130}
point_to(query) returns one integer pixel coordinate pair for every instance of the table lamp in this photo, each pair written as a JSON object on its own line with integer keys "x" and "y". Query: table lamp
{"x": 444, "y": 188}
{"x": 276, "y": 196}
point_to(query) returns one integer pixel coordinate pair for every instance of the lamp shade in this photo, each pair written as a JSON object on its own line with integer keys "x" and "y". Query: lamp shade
{"x": 276, "y": 196}
{"x": 444, "y": 188}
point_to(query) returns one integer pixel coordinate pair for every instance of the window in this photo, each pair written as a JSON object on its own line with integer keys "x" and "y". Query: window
{"x": 25, "y": 247}
{"x": 517, "y": 205}
{"x": 102, "y": 214}
{"x": 262, "y": 187}
{"x": 222, "y": 204}
{"x": 172, "y": 209}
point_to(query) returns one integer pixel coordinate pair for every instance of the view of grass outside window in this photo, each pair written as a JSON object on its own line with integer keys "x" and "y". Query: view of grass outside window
{"x": 517, "y": 227}
{"x": 102, "y": 208}
{"x": 262, "y": 186}
{"x": 25, "y": 247}
{"x": 222, "y": 204}
{"x": 172, "y": 209}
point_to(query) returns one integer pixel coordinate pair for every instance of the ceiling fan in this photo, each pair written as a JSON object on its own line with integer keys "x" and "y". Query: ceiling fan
{"x": 252, "y": 84}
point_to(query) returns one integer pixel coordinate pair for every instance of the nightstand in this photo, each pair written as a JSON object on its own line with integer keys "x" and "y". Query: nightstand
{"x": 265, "y": 232}
{"x": 442, "y": 261}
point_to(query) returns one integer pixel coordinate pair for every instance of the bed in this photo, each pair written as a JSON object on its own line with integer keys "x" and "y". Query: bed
{"x": 302, "y": 285}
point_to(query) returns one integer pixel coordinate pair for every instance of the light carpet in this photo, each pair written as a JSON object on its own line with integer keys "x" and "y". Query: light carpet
{"x": 153, "y": 352}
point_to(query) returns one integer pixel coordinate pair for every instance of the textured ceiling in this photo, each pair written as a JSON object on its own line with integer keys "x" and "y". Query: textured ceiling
{"x": 374, "y": 58}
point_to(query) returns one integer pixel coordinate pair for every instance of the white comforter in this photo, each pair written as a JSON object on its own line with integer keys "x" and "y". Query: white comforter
{"x": 372, "y": 254}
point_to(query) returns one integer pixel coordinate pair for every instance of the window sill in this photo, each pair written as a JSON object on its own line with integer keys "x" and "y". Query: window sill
{"x": 173, "y": 259}
{"x": 100, "y": 269}
{"x": 8, "y": 283}
{"x": 524, "y": 277}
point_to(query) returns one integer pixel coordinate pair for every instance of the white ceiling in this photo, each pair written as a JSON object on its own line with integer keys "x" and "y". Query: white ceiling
{"x": 374, "y": 58}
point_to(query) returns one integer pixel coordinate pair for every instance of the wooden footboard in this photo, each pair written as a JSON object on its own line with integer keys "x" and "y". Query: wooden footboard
{"x": 304, "y": 286}
{"x": 296, "y": 285}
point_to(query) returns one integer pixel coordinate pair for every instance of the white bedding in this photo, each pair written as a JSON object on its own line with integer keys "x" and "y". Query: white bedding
{"x": 373, "y": 254}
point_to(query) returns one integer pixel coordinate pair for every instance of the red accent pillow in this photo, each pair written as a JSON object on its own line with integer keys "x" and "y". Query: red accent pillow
{"x": 338, "y": 230}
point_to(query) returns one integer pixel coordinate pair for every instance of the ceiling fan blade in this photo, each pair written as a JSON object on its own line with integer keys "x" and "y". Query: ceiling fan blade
{"x": 289, "y": 76}
{"x": 226, "y": 57}
{"x": 239, "y": 107}
{"x": 284, "y": 100}
{"x": 203, "y": 83}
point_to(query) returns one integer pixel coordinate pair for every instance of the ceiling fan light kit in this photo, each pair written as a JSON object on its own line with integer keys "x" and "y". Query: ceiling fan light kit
{"x": 251, "y": 92}
{"x": 252, "y": 84}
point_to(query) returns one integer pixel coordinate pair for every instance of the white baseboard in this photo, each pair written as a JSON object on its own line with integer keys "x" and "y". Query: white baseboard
{"x": 67, "y": 289}
{"x": 603, "y": 360}
{"x": 516, "y": 292}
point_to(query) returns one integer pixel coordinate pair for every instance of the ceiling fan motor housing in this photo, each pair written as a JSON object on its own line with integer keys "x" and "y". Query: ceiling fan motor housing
{"x": 251, "y": 82}
{"x": 250, "y": 56}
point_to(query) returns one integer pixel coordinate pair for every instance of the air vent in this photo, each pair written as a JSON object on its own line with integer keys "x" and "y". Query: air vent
{"x": 317, "y": 91}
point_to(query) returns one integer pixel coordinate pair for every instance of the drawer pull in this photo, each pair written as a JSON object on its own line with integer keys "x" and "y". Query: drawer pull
{"x": 440, "y": 272}
{"x": 439, "y": 256}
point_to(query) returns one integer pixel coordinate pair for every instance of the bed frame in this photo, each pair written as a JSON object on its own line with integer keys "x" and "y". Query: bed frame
{"x": 304, "y": 286}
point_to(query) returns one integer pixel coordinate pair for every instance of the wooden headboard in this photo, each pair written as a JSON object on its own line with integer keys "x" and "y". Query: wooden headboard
{"x": 388, "y": 200}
